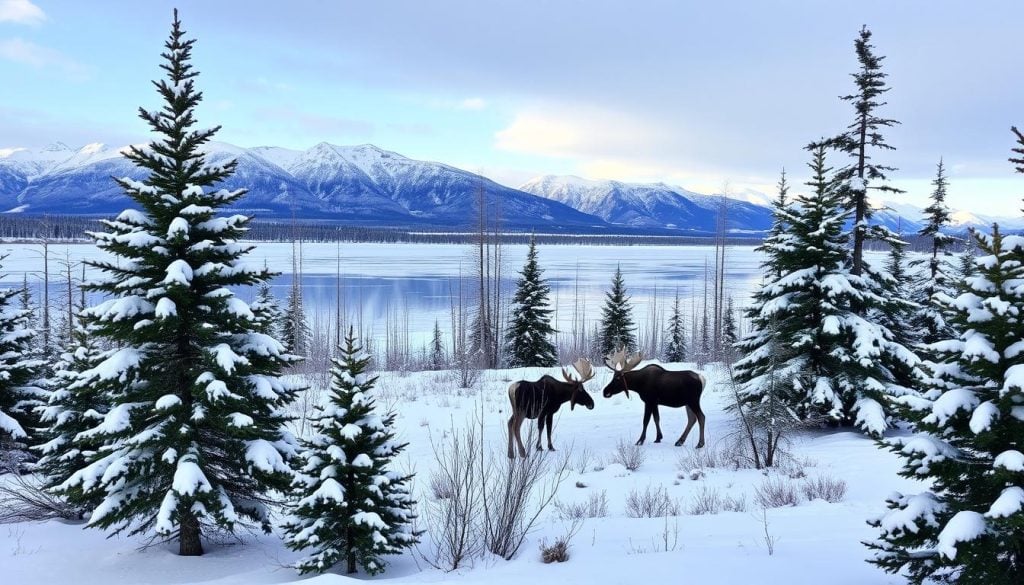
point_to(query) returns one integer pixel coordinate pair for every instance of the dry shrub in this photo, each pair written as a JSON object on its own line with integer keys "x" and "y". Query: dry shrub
{"x": 651, "y": 503}
{"x": 628, "y": 455}
{"x": 824, "y": 487}
{"x": 777, "y": 492}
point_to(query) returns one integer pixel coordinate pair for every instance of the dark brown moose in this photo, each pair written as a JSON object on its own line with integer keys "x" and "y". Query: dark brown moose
{"x": 541, "y": 400}
{"x": 657, "y": 386}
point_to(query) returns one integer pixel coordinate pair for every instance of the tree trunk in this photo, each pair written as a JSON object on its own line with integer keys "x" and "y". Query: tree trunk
{"x": 190, "y": 543}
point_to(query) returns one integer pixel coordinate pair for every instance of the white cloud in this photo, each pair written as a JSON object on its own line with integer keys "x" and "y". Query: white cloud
{"x": 21, "y": 12}
{"x": 473, "y": 103}
{"x": 582, "y": 131}
{"x": 40, "y": 57}
{"x": 6, "y": 152}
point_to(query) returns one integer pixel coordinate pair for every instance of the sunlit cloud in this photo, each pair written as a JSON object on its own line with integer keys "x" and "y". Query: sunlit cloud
{"x": 580, "y": 132}
{"x": 21, "y": 12}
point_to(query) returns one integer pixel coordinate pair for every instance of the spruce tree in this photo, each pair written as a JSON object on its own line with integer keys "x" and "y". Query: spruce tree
{"x": 832, "y": 364}
{"x": 861, "y": 141}
{"x": 194, "y": 435}
{"x": 528, "y": 340}
{"x": 929, "y": 323}
{"x": 730, "y": 335}
{"x": 72, "y": 407}
{"x": 295, "y": 331}
{"x": 20, "y": 391}
{"x": 438, "y": 357}
{"x": 675, "y": 350}
{"x": 617, "y": 327}
{"x": 268, "y": 313}
{"x": 350, "y": 506}
{"x": 897, "y": 316}
{"x": 969, "y": 526}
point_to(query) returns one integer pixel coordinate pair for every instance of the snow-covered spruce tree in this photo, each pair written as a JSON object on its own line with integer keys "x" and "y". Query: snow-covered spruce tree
{"x": 897, "y": 315}
{"x": 268, "y": 313}
{"x": 20, "y": 392}
{"x": 350, "y": 507}
{"x": 438, "y": 356}
{"x": 832, "y": 366}
{"x": 675, "y": 349}
{"x": 730, "y": 335}
{"x": 862, "y": 138}
{"x": 617, "y": 328}
{"x": 929, "y": 323}
{"x": 528, "y": 341}
{"x": 969, "y": 528}
{"x": 195, "y": 432}
{"x": 295, "y": 331}
{"x": 73, "y": 406}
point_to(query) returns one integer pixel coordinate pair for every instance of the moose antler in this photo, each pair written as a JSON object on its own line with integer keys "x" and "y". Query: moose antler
{"x": 616, "y": 361}
{"x": 584, "y": 369}
{"x": 567, "y": 376}
{"x": 632, "y": 361}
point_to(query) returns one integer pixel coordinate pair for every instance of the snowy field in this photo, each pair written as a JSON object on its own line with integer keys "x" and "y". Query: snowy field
{"x": 815, "y": 542}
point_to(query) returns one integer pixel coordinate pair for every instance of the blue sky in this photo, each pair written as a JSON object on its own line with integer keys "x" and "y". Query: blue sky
{"x": 698, "y": 94}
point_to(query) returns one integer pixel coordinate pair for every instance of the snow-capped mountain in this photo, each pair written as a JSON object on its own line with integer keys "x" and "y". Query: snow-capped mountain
{"x": 959, "y": 219}
{"x": 359, "y": 184}
{"x": 650, "y": 205}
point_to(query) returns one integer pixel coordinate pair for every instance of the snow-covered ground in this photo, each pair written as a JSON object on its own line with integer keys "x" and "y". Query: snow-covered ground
{"x": 815, "y": 542}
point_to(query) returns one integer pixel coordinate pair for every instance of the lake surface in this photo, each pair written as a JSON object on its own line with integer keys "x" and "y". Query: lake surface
{"x": 416, "y": 284}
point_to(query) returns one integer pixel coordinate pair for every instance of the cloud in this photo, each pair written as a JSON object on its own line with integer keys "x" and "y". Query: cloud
{"x": 21, "y": 12}
{"x": 473, "y": 103}
{"x": 36, "y": 56}
{"x": 581, "y": 131}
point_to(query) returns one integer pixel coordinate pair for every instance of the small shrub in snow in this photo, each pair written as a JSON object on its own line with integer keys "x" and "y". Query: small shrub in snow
{"x": 824, "y": 487}
{"x": 776, "y": 492}
{"x": 583, "y": 461}
{"x": 651, "y": 503}
{"x": 705, "y": 501}
{"x": 628, "y": 455}
{"x": 596, "y": 506}
{"x": 558, "y": 552}
{"x": 554, "y": 553}
{"x": 696, "y": 474}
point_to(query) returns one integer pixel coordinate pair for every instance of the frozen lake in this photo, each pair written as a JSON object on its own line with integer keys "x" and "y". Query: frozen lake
{"x": 418, "y": 283}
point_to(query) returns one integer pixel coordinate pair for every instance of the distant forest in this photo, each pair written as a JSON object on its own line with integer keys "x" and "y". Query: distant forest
{"x": 70, "y": 228}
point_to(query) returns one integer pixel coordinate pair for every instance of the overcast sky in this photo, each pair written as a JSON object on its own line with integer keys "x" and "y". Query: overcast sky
{"x": 699, "y": 94}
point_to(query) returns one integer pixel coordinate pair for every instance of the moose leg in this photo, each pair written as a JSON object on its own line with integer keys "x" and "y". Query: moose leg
{"x": 657, "y": 424}
{"x": 700, "y": 419}
{"x": 691, "y": 418}
{"x": 551, "y": 420}
{"x": 511, "y": 437}
{"x": 540, "y": 430}
{"x": 648, "y": 411}
{"x": 519, "y": 436}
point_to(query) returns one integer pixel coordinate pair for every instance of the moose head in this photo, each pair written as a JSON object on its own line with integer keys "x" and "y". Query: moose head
{"x": 579, "y": 392}
{"x": 619, "y": 363}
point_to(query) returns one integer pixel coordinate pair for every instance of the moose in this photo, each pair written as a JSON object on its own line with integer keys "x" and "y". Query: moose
{"x": 541, "y": 400}
{"x": 657, "y": 386}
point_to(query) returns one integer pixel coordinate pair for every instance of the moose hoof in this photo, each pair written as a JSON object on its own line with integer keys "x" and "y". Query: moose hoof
{"x": 550, "y": 448}
{"x": 640, "y": 442}
{"x": 658, "y": 440}
{"x": 679, "y": 443}
{"x": 700, "y": 445}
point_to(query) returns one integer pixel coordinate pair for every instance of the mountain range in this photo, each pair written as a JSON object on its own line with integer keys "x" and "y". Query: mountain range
{"x": 370, "y": 186}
